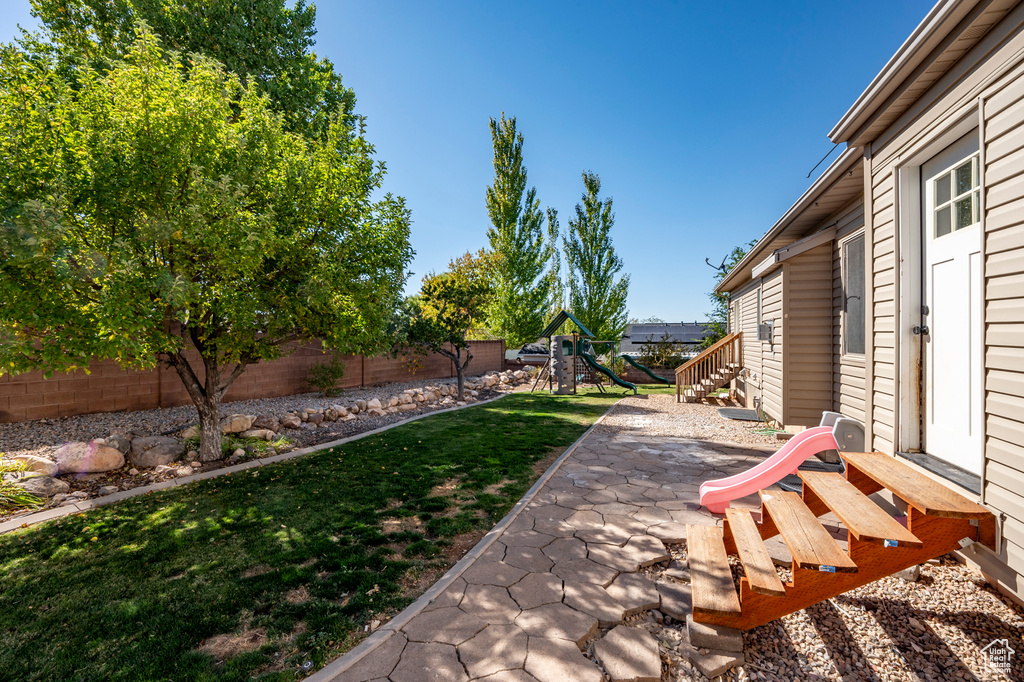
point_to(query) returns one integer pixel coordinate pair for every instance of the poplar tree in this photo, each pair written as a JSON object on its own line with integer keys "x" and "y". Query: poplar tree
{"x": 556, "y": 286}
{"x": 521, "y": 293}
{"x": 596, "y": 298}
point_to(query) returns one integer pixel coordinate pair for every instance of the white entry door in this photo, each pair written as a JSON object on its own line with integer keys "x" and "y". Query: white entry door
{"x": 952, "y": 412}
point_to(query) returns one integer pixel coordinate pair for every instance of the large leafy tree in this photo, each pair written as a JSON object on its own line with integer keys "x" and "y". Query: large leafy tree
{"x": 449, "y": 307}
{"x": 596, "y": 297}
{"x": 556, "y": 285}
{"x": 521, "y": 294}
{"x": 161, "y": 212}
{"x": 267, "y": 43}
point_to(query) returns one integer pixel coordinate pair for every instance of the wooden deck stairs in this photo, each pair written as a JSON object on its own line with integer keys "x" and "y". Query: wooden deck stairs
{"x": 711, "y": 370}
{"x": 938, "y": 521}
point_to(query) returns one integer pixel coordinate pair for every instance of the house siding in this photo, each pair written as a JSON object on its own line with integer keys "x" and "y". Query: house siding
{"x": 808, "y": 352}
{"x": 771, "y": 353}
{"x": 991, "y": 76}
{"x": 749, "y": 385}
{"x": 847, "y": 370}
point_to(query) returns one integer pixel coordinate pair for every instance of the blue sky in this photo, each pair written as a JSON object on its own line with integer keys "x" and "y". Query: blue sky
{"x": 702, "y": 119}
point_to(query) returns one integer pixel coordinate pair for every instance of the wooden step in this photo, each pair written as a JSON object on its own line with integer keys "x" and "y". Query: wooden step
{"x": 712, "y": 587}
{"x": 811, "y": 545}
{"x": 865, "y": 519}
{"x": 757, "y": 563}
{"x": 924, "y": 494}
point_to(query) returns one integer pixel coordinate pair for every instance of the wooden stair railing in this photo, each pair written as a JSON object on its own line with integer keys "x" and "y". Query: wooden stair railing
{"x": 712, "y": 369}
{"x": 938, "y": 521}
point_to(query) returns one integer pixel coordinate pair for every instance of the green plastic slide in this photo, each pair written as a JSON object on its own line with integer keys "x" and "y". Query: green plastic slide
{"x": 589, "y": 359}
{"x": 645, "y": 370}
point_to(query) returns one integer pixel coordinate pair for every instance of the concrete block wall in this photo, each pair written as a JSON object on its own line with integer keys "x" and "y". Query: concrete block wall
{"x": 109, "y": 388}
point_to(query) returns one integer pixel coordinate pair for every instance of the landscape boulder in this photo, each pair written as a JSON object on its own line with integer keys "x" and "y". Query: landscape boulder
{"x": 269, "y": 422}
{"x": 43, "y": 486}
{"x": 262, "y": 434}
{"x": 87, "y": 458}
{"x": 120, "y": 441}
{"x": 153, "y": 451}
{"x": 373, "y": 404}
{"x": 36, "y": 464}
{"x": 189, "y": 433}
{"x": 291, "y": 421}
{"x": 361, "y": 404}
{"x": 315, "y": 418}
{"x": 405, "y": 399}
{"x": 236, "y": 423}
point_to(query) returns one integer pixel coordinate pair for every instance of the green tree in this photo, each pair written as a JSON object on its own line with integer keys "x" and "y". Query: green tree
{"x": 267, "y": 43}
{"x": 596, "y": 298}
{"x": 161, "y": 213}
{"x": 449, "y": 306}
{"x": 520, "y": 300}
{"x": 556, "y": 285}
{"x": 718, "y": 320}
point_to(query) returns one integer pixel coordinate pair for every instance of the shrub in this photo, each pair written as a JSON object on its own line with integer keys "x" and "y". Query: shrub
{"x": 11, "y": 495}
{"x": 324, "y": 376}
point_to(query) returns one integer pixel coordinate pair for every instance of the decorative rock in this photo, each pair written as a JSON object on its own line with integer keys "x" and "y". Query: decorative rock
{"x": 910, "y": 574}
{"x": 629, "y": 655}
{"x": 315, "y": 418}
{"x": 190, "y": 433}
{"x": 291, "y": 421}
{"x": 119, "y": 441}
{"x": 238, "y": 453}
{"x": 87, "y": 458}
{"x": 269, "y": 422}
{"x": 361, "y": 404}
{"x": 262, "y": 434}
{"x": 404, "y": 399}
{"x": 43, "y": 486}
{"x": 717, "y": 637}
{"x": 236, "y": 423}
{"x": 407, "y": 407}
{"x": 373, "y": 404}
{"x": 135, "y": 472}
{"x": 195, "y": 465}
{"x": 155, "y": 450}
{"x": 40, "y": 465}
{"x": 107, "y": 490}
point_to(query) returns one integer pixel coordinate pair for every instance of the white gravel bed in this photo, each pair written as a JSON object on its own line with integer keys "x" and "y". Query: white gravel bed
{"x": 43, "y": 436}
{"x": 654, "y": 414}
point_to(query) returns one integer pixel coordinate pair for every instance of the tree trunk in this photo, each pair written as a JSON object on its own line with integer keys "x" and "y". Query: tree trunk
{"x": 210, "y": 440}
{"x": 460, "y": 373}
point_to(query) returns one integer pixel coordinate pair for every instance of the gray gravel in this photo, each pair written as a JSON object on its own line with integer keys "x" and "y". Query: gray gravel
{"x": 42, "y": 437}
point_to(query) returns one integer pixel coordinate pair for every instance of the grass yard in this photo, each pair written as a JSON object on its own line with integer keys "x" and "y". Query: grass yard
{"x": 257, "y": 574}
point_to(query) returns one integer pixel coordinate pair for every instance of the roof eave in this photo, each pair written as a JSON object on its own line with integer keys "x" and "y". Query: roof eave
{"x": 910, "y": 55}
{"x": 847, "y": 160}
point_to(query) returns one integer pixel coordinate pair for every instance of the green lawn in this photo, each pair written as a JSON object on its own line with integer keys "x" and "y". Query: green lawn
{"x": 254, "y": 574}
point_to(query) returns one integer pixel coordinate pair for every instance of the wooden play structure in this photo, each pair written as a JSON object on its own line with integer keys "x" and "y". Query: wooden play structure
{"x": 570, "y": 359}
{"x": 938, "y": 521}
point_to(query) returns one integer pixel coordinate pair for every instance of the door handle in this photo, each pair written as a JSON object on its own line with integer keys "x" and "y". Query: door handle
{"x": 921, "y": 330}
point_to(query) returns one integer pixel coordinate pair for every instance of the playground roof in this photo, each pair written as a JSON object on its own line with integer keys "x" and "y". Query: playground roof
{"x": 559, "y": 320}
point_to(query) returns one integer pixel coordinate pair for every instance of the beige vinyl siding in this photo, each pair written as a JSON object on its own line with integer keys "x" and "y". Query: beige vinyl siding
{"x": 991, "y": 74}
{"x": 882, "y": 276}
{"x": 771, "y": 353}
{"x": 808, "y": 322}
{"x": 746, "y": 303}
{"x": 847, "y": 370}
{"x": 1004, "y": 307}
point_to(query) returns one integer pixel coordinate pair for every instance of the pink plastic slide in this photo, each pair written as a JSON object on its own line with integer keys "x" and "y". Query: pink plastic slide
{"x": 716, "y": 495}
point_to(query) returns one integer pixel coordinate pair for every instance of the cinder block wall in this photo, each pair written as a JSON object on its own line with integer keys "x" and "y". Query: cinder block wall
{"x": 109, "y": 388}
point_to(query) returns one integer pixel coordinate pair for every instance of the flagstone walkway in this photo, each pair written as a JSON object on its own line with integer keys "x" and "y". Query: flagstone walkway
{"x": 567, "y": 571}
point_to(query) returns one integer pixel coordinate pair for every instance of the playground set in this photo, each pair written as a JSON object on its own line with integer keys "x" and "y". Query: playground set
{"x": 572, "y": 360}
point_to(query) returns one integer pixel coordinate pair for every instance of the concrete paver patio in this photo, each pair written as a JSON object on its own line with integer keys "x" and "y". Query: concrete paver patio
{"x": 567, "y": 570}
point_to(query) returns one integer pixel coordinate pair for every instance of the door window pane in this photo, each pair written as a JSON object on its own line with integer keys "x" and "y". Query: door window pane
{"x": 963, "y": 178}
{"x": 964, "y": 213}
{"x": 977, "y": 207}
{"x": 942, "y": 222}
{"x": 942, "y": 194}
{"x": 853, "y": 292}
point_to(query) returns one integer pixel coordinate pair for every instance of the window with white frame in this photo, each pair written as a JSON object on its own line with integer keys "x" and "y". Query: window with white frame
{"x": 853, "y": 295}
{"x": 957, "y": 198}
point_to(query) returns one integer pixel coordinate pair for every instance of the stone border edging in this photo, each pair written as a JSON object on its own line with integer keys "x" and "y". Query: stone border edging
{"x": 384, "y": 633}
{"x": 85, "y": 505}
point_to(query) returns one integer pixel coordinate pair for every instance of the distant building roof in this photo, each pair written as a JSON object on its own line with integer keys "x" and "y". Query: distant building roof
{"x": 678, "y": 332}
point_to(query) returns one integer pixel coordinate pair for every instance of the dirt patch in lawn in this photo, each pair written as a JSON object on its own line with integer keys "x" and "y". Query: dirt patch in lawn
{"x": 223, "y": 647}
